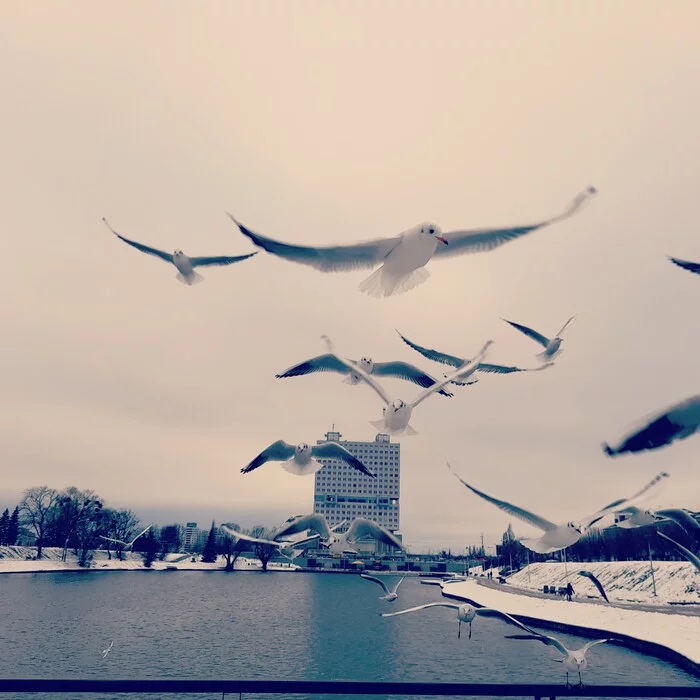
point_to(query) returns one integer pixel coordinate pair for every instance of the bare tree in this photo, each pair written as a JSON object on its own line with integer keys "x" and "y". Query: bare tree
{"x": 262, "y": 551}
{"x": 120, "y": 525}
{"x": 78, "y": 513}
{"x": 231, "y": 547}
{"x": 37, "y": 509}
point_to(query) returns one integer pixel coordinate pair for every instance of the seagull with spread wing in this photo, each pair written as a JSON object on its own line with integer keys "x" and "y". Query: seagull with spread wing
{"x": 552, "y": 346}
{"x": 466, "y": 613}
{"x": 574, "y": 660}
{"x": 402, "y": 258}
{"x": 184, "y": 264}
{"x": 397, "y": 413}
{"x": 301, "y": 460}
{"x": 390, "y": 595}
{"x": 107, "y": 650}
{"x": 126, "y": 545}
{"x": 555, "y": 536}
{"x": 636, "y": 517}
{"x": 677, "y": 422}
{"x": 330, "y": 363}
{"x": 454, "y": 361}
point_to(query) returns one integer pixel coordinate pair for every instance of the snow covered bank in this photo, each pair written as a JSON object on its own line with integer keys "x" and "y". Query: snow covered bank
{"x": 678, "y": 633}
{"x": 15, "y": 560}
{"x": 625, "y": 581}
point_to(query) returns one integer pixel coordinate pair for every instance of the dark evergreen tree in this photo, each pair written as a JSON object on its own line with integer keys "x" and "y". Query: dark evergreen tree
{"x": 148, "y": 545}
{"x": 13, "y": 528}
{"x": 4, "y": 526}
{"x": 209, "y": 552}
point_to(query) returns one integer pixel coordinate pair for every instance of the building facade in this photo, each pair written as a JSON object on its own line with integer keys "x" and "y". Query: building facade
{"x": 343, "y": 493}
{"x": 189, "y": 537}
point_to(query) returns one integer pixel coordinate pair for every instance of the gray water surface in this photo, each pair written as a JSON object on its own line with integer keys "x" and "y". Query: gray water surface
{"x": 248, "y": 625}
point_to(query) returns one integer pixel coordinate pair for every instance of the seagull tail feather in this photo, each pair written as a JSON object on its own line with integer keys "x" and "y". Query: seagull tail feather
{"x": 194, "y": 278}
{"x": 381, "y": 283}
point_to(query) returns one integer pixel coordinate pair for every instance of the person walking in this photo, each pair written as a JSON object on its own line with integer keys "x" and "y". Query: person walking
{"x": 569, "y": 591}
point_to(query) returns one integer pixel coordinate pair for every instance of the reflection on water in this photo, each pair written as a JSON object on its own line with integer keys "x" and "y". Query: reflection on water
{"x": 247, "y": 625}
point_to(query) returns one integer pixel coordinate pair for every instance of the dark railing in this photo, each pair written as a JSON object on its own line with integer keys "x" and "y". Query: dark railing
{"x": 268, "y": 687}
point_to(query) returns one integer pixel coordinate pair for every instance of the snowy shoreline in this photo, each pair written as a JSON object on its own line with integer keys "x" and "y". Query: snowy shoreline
{"x": 674, "y": 638}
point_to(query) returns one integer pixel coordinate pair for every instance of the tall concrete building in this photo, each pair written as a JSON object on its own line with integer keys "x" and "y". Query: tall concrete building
{"x": 189, "y": 537}
{"x": 343, "y": 493}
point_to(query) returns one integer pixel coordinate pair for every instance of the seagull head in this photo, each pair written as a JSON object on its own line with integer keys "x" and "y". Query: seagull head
{"x": 575, "y": 526}
{"x": 367, "y": 364}
{"x": 466, "y": 613}
{"x": 302, "y": 448}
{"x": 397, "y": 405}
{"x": 178, "y": 253}
{"x": 429, "y": 229}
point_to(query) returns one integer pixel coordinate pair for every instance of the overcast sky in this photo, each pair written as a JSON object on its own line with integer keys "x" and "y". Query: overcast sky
{"x": 329, "y": 122}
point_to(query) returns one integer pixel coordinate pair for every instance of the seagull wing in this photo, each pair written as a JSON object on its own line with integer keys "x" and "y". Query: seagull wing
{"x": 356, "y": 369}
{"x": 376, "y": 580}
{"x": 530, "y": 333}
{"x": 482, "y": 240}
{"x": 433, "y": 354}
{"x": 140, "y": 246}
{"x": 361, "y": 527}
{"x": 109, "y": 539}
{"x": 249, "y": 538}
{"x": 681, "y": 517}
{"x": 563, "y": 328}
{"x": 502, "y": 369}
{"x": 396, "y": 587}
{"x": 692, "y": 558}
{"x": 333, "y": 450}
{"x": 594, "y": 643}
{"x": 321, "y": 363}
{"x": 623, "y": 503}
{"x": 366, "y": 254}
{"x": 549, "y": 641}
{"x": 462, "y": 372}
{"x": 596, "y": 583}
{"x": 220, "y": 259}
{"x": 422, "y": 607}
{"x": 314, "y": 521}
{"x": 141, "y": 534}
{"x": 492, "y": 612}
{"x": 509, "y": 508}
{"x": 404, "y": 370}
{"x": 687, "y": 265}
{"x": 277, "y": 452}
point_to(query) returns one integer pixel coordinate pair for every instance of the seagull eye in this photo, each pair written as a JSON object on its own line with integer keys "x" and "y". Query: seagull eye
{"x": 432, "y": 230}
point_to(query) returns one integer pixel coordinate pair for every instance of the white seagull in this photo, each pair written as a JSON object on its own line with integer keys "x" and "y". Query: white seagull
{"x": 677, "y": 422}
{"x": 636, "y": 517}
{"x": 403, "y": 257}
{"x": 454, "y": 361}
{"x": 339, "y": 543}
{"x": 184, "y": 264}
{"x": 551, "y": 345}
{"x": 466, "y": 613}
{"x": 126, "y": 545}
{"x": 686, "y": 265}
{"x": 555, "y": 536}
{"x": 289, "y": 548}
{"x": 300, "y": 460}
{"x": 397, "y": 413}
{"x": 330, "y": 363}
{"x": 390, "y": 595}
{"x": 574, "y": 660}
{"x": 107, "y": 650}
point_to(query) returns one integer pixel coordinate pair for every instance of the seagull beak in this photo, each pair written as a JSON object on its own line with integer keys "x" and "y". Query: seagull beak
{"x": 444, "y": 240}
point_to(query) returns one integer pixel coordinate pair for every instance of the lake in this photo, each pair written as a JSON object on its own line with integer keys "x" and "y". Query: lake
{"x": 248, "y": 625}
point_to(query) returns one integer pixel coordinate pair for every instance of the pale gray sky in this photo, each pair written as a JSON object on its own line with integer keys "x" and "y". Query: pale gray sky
{"x": 324, "y": 122}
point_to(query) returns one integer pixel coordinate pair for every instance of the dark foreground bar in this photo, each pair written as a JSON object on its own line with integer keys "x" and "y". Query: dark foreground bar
{"x": 344, "y": 688}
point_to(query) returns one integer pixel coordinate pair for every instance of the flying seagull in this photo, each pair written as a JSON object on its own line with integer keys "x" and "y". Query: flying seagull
{"x": 289, "y": 548}
{"x": 397, "y": 413}
{"x": 391, "y": 595}
{"x": 301, "y": 460}
{"x": 126, "y": 545}
{"x": 330, "y": 363}
{"x": 677, "y": 422}
{"x": 184, "y": 264}
{"x": 454, "y": 361}
{"x": 636, "y": 517}
{"x": 466, "y": 613}
{"x": 555, "y": 536}
{"x": 574, "y": 660}
{"x": 596, "y": 583}
{"x": 403, "y": 257}
{"x": 686, "y": 265}
{"x": 692, "y": 558}
{"x": 339, "y": 543}
{"x": 551, "y": 345}
{"x": 107, "y": 650}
